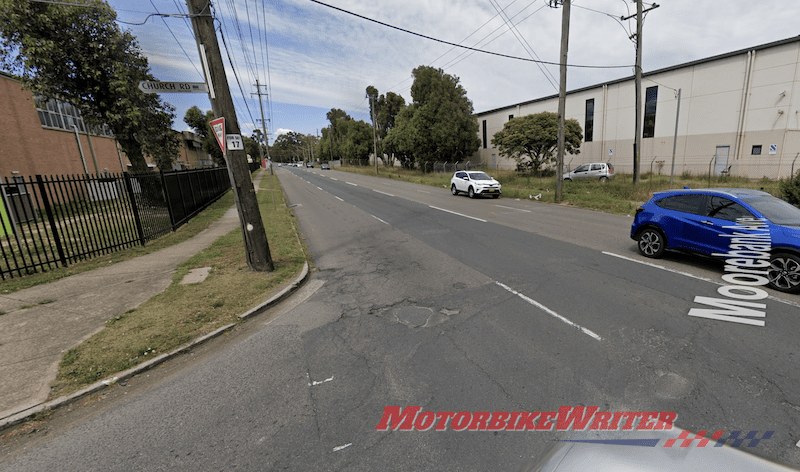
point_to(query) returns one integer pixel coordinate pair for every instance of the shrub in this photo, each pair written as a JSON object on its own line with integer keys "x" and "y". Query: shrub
{"x": 790, "y": 189}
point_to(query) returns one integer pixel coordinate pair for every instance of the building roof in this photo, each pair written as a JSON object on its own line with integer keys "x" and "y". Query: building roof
{"x": 646, "y": 74}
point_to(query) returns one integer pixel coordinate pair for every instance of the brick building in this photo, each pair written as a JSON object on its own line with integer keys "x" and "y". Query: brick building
{"x": 49, "y": 137}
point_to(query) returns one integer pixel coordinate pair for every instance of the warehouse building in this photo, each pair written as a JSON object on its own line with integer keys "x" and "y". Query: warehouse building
{"x": 739, "y": 114}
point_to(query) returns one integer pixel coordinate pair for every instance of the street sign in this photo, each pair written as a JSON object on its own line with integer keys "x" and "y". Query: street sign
{"x": 154, "y": 86}
{"x": 218, "y": 126}
{"x": 234, "y": 142}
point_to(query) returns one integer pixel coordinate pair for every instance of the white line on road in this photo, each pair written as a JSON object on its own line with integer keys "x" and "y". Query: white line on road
{"x": 704, "y": 279}
{"x": 319, "y": 187}
{"x": 335, "y": 449}
{"x": 661, "y": 267}
{"x": 379, "y": 219}
{"x": 512, "y": 208}
{"x": 351, "y": 183}
{"x": 422, "y": 191}
{"x": 550, "y": 312}
{"x": 459, "y": 214}
{"x": 332, "y": 178}
{"x": 383, "y": 193}
{"x": 340, "y": 199}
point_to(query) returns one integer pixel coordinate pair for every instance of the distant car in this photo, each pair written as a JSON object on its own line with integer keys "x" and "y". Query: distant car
{"x": 474, "y": 183}
{"x": 702, "y": 221}
{"x": 309, "y": 164}
{"x": 325, "y": 167}
{"x": 602, "y": 171}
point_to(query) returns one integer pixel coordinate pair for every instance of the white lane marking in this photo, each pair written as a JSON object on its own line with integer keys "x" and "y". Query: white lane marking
{"x": 422, "y": 191}
{"x": 312, "y": 383}
{"x": 383, "y": 193}
{"x": 351, "y": 183}
{"x": 512, "y": 208}
{"x": 335, "y": 449}
{"x": 332, "y": 178}
{"x": 459, "y": 214}
{"x": 319, "y": 187}
{"x": 661, "y": 267}
{"x": 379, "y": 219}
{"x": 704, "y": 279}
{"x": 550, "y": 312}
{"x": 340, "y": 199}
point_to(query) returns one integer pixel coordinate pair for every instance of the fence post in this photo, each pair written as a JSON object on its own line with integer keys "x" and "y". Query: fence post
{"x": 168, "y": 199}
{"x": 51, "y": 219}
{"x": 134, "y": 207}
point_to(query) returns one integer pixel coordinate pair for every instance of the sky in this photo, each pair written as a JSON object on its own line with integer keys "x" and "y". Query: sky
{"x": 311, "y": 58}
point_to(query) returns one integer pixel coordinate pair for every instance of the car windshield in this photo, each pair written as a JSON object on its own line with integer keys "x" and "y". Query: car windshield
{"x": 776, "y": 210}
{"x": 479, "y": 176}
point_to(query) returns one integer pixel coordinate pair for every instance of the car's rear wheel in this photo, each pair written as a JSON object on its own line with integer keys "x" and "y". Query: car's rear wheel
{"x": 604, "y": 179}
{"x": 471, "y": 193}
{"x": 784, "y": 272}
{"x": 567, "y": 179}
{"x": 453, "y": 189}
{"x": 651, "y": 242}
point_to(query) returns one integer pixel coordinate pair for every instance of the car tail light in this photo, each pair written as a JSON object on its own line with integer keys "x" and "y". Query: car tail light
{"x": 639, "y": 209}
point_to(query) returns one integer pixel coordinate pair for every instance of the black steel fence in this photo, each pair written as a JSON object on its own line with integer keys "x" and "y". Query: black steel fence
{"x": 47, "y": 222}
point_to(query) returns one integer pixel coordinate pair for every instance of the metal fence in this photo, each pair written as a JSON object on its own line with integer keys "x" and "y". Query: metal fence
{"x": 47, "y": 222}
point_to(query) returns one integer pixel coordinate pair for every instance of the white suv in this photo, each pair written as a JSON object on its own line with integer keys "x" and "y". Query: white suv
{"x": 602, "y": 171}
{"x": 474, "y": 183}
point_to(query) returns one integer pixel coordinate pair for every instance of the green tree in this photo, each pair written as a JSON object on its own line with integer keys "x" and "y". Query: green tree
{"x": 438, "y": 126}
{"x": 199, "y": 122}
{"x": 790, "y": 189}
{"x": 338, "y": 120}
{"x": 358, "y": 140}
{"x": 532, "y": 140}
{"x": 80, "y": 55}
{"x": 383, "y": 112}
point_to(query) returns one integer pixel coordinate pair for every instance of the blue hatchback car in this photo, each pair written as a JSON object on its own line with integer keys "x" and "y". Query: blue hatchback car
{"x": 698, "y": 220}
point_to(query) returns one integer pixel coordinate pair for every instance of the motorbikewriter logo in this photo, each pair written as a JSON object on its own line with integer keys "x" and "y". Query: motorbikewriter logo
{"x": 567, "y": 418}
{"x": 577, "y": 418}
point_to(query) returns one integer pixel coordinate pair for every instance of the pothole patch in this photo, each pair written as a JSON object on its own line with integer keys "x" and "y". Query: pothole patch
{"x": 420, "y": 316}
{"x": 672, "y": 386}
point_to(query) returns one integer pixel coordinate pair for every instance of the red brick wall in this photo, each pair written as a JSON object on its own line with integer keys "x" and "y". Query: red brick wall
{"x": 30, "y": 149}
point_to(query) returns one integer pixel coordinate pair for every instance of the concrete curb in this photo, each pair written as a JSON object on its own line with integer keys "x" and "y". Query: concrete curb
{"x": 27, "y": 413}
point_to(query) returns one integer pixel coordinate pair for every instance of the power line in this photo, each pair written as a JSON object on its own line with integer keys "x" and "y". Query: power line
{"x": 524, "y": 43}
{"x": 462, "y": 46}
{"x": 176, "y": 40}
{"x": 241, "y": 90}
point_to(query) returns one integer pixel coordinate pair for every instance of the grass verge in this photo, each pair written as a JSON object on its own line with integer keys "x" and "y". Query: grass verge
{"x": 200, "y": 222}
{"x": 618, "y": 196}
{"x": 184, "y": 312}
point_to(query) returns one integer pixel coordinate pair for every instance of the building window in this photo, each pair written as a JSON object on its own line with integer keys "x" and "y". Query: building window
{"x": 510, "y": 117}
{"x": 589, "y": 123}
{"x": 651, "y": 96}
{"x": 54, "y": 113}
{"x": 756, "y": 150}
{"x": 484, "y": 134}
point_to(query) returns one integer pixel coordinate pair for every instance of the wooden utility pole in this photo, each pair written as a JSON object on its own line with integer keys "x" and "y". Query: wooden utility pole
{"x": 637, "y": 141}
{"x": 255, "y": 239}
{"x": 562, "y": 97}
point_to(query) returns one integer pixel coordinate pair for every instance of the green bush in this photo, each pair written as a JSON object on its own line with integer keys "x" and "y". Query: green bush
{"x": 790, "y": 190}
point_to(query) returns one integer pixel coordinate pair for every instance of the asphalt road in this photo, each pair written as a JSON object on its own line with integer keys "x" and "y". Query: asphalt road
{"x": 451, "y": 304}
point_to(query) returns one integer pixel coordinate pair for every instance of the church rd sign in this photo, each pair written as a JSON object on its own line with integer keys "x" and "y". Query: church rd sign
{"x": 154, "y": 86}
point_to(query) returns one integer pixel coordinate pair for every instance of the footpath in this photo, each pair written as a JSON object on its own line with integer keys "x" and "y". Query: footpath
{"x": 33, "y": 339}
